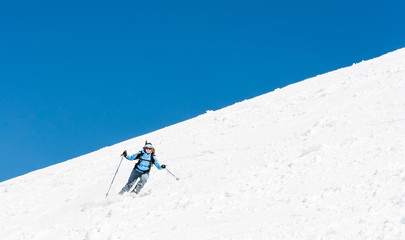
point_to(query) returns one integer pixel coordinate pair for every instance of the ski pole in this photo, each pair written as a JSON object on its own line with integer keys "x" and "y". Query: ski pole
{"x": 172, "y": 174}
{"x": 114, "y": 177}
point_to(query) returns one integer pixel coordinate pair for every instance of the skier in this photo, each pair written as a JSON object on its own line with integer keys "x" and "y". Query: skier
{"x": 142, "y": 167}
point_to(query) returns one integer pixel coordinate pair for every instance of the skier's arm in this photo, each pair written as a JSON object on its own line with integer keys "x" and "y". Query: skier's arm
{"x": 132, "y": 157}
{"x": 157, "y": 164}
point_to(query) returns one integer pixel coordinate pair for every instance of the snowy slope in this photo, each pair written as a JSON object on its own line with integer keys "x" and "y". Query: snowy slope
{"x": 320, "y": 159}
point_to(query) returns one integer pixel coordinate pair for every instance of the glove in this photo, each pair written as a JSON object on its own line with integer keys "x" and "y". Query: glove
{"x": 124, "y": 153}
{"x": 163, "y": 166}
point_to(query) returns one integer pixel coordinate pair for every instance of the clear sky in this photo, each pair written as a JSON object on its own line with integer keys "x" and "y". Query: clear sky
{"x": 77, "y": 76}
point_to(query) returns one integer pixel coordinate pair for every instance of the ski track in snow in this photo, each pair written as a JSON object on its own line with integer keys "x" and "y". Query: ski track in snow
{"x": 319, "y": 159}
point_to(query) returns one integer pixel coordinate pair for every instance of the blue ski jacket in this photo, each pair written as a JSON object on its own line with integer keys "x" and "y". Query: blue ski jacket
{"x": 144, "y": 161}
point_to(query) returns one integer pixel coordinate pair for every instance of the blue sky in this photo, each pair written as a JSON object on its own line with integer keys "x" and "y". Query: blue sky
{"x": 77, "y": 76}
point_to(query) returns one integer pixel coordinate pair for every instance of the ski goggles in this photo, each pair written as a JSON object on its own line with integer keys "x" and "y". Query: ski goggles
{"x": 148, "y": 146}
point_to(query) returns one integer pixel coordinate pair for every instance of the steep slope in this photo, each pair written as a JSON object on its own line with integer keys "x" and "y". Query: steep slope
{"x": 320, "y": 159}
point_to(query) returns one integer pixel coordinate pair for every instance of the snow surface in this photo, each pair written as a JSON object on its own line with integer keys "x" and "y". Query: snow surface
{"x": 320, "y": 159}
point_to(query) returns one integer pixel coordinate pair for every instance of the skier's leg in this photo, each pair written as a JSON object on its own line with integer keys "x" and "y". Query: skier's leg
{"x": 141, "y": 183}
{"x": 131, "y": 181}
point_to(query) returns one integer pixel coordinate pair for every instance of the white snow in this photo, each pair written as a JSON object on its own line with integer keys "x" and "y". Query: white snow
{"x": 320, "y": 159}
